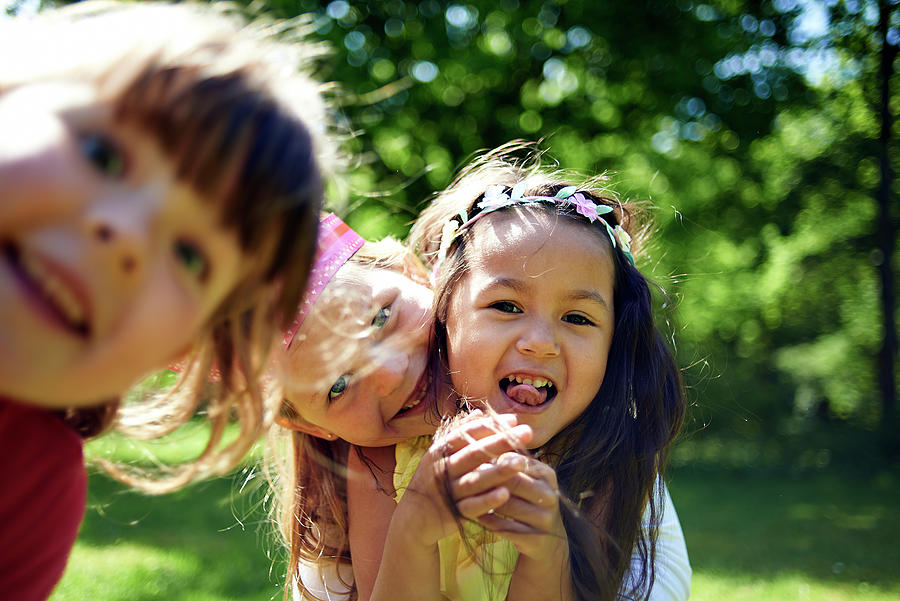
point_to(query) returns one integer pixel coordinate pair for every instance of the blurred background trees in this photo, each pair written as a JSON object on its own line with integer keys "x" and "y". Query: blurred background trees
{"x": 758, "y": 130}
{"x": 753, "y": 128}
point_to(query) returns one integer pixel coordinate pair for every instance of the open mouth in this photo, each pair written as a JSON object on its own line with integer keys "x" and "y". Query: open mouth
{"x": 418, "y": 394}
{"x": 528, "y": 390}
{"x": 49, "y": 289}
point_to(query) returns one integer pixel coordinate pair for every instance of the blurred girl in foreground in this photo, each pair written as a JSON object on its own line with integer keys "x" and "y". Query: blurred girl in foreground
{"x": 160, "y": 183}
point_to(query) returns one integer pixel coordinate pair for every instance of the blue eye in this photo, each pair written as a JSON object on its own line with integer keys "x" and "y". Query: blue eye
{"x": 339, "y": 386}
{"x": 577, "y": 319}
{"x": 103, "y": 154}
{"x": 192, "y": 258}
{"x": 506, "y": 307}
{"x": 381, "y": 317}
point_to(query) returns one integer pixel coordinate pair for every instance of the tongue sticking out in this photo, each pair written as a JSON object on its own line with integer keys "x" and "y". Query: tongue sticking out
{"x": 526, "y": 394}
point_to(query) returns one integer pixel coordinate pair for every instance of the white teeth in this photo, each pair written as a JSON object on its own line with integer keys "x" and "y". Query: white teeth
{"x": 417, "y": 400}
{"x": 54, "y": 288}
{"x": 536, "y": 382}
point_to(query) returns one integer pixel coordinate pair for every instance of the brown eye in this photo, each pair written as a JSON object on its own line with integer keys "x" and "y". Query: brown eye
{"x": 577, "y": 319}
{"x": 506, "y": 307}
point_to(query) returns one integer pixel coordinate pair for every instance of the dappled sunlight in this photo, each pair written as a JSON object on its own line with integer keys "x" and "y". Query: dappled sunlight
{"x": 210, "y": 541}
{"x": 126, "y": 570}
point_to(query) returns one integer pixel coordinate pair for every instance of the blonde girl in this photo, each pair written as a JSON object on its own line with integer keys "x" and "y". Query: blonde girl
{"x": 354, "y": 370}
{"x": 160, "y": 178}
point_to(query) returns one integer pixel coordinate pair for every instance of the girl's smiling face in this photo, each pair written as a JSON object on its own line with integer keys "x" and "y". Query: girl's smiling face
{"x": 109, "y": 266}
{"x": 358, "y": 367}
{"x": 529, "y": 326}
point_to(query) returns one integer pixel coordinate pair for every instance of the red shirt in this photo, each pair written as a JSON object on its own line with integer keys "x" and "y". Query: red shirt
{"x": 44, "y": 490}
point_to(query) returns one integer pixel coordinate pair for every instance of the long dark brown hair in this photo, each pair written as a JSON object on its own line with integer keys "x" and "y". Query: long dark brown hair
{"x": 610, "y": 461}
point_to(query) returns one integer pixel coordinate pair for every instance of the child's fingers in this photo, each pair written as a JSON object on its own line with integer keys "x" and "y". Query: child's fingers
{"x": 476, "y": 428}
{"x": 538, "y": 545}
{"x": 495, "y": 522}
{"x": 477, "y": 505}
{"x": 532, "y": 491}
{"x": 533, "y": 481}
{"x": 484, "y": 477}
{"x": 536, "y": 517}
{"x": 485, "y": 450}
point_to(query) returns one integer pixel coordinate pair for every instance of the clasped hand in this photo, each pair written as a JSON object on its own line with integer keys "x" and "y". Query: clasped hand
{"x": 481, "y": 467}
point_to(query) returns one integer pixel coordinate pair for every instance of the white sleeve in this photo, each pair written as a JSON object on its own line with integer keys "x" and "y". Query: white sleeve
{"x": 672, "y": 580}
{"x": 325, "y": 580}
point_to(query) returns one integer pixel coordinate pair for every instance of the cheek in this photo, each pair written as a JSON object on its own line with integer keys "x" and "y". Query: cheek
{"x": 165, "y": 319}
{"x": 41, "y": 188}
{"x": 595, "y": 363}
{"x": 466, "y": 361}
{"x": 458, "y": 344}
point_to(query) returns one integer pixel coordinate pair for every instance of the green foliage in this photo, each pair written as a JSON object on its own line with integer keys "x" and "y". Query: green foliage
{"x": 763, "y": 181}
{"x": 751, "y": 130}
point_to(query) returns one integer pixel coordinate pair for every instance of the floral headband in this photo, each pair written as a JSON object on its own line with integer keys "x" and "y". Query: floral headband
{"x": 495, "y": 197}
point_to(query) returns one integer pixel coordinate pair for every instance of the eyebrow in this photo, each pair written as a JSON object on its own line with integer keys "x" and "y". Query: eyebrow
{"x": 514, "y": 284}
{"x": 520, "y": 286}
{"x": 591, "y": 296}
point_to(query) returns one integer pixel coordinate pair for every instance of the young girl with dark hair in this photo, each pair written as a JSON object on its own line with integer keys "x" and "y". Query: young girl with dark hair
{"x": 541, "y": 313}
{"x": 160, "y": 181}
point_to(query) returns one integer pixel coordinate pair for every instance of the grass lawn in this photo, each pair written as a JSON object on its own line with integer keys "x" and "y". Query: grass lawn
{"x": 820, "y": 536}
{"x": 206, "y": 542}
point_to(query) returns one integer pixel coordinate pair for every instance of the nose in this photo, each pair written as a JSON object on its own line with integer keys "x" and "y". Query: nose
{"x": 122, "y": 230}
{"x": 538, "y": 339}
{"x": 389, "y": 369}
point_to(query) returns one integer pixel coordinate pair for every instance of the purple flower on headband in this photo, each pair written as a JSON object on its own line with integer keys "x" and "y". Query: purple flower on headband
{"x": 584, "y": 206}
{"x": 494, "y": 198}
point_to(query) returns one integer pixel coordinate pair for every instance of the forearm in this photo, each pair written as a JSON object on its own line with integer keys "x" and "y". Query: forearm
{"x": 409, "y": 569}
{"x": 541, "y": 579}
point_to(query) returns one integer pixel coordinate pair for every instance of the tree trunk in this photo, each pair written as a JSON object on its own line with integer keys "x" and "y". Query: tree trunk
{"x": 886, "y": 230}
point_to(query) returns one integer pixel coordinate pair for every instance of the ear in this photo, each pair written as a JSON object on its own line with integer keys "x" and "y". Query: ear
{"x": 414, "y": 269}
{"x": 301, "y": 425}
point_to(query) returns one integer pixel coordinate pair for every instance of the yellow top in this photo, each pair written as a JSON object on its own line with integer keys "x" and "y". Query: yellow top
{"x": 462, "y": 577}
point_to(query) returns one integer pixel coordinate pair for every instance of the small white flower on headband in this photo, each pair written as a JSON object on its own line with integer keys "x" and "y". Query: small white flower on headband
{"x": 448, "y": 235}
{"x": 494, "y": 198}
